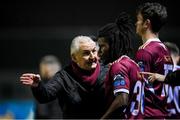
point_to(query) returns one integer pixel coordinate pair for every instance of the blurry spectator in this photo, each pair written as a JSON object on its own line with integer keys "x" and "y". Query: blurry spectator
{"x": 174, "y": 51}
{"x": 49, "y": 65}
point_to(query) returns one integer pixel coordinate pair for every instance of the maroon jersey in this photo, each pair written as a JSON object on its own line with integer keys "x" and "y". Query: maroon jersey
{"x": 124, "y": 77}
{"x": 154, "y": 57}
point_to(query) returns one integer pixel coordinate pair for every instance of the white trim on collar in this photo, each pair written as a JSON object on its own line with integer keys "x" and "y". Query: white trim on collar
{"x": 153, "y": 39}
{"x": 150, "y": 40}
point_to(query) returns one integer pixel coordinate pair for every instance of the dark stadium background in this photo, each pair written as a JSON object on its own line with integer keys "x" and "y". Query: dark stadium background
{"x": 31, "y": 29}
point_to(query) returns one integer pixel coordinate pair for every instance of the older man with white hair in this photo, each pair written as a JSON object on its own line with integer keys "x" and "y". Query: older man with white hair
{"x": 77, "y": 86}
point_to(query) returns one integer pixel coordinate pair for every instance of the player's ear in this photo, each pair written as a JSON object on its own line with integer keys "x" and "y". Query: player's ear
{"x": 147, "y": 23}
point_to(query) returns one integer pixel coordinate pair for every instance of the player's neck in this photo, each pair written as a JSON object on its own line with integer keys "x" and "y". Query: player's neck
{"x": 149, "y": 35}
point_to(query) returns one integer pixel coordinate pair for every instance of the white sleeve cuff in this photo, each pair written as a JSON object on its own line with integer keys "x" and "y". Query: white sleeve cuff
{"x": 121, "y": 90}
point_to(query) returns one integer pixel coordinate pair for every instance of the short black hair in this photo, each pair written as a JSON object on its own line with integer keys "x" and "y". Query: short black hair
{"x": 155, "y": 12}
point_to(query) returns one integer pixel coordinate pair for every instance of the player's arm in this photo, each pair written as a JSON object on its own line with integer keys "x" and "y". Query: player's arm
{"x": 120, "y": 84}
{"x": 120, "y": 103}
{"x": 153, "y": 76}
{"x": 171, "y": 78}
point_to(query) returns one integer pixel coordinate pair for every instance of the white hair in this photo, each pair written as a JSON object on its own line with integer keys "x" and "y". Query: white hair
{"x": 76, "y": 41}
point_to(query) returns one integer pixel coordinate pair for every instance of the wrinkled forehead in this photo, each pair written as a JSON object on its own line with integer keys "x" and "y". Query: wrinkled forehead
{"x": 87, "y": 45}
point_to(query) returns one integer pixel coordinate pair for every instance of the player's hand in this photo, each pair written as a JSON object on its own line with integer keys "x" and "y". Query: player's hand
{"x": 153, "y": 76}
{"x": 30, "y": 79}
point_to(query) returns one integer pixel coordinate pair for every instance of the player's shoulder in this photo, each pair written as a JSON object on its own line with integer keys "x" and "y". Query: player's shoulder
{"x": 124, "y": 62}
{"x": 121, "y": 59}
{"x": 152, "y": 44}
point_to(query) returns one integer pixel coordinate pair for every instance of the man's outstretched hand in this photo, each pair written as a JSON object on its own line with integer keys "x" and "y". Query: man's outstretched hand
{"x": 30, "y": 79}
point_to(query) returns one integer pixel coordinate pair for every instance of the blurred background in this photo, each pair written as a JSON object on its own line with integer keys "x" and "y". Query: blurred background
{"x": 30, "y": 30}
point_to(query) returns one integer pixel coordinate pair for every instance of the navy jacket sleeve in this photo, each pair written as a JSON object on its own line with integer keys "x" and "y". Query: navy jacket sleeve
{"x": 46, "y": 92}
{"x": 173, "y": 78}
